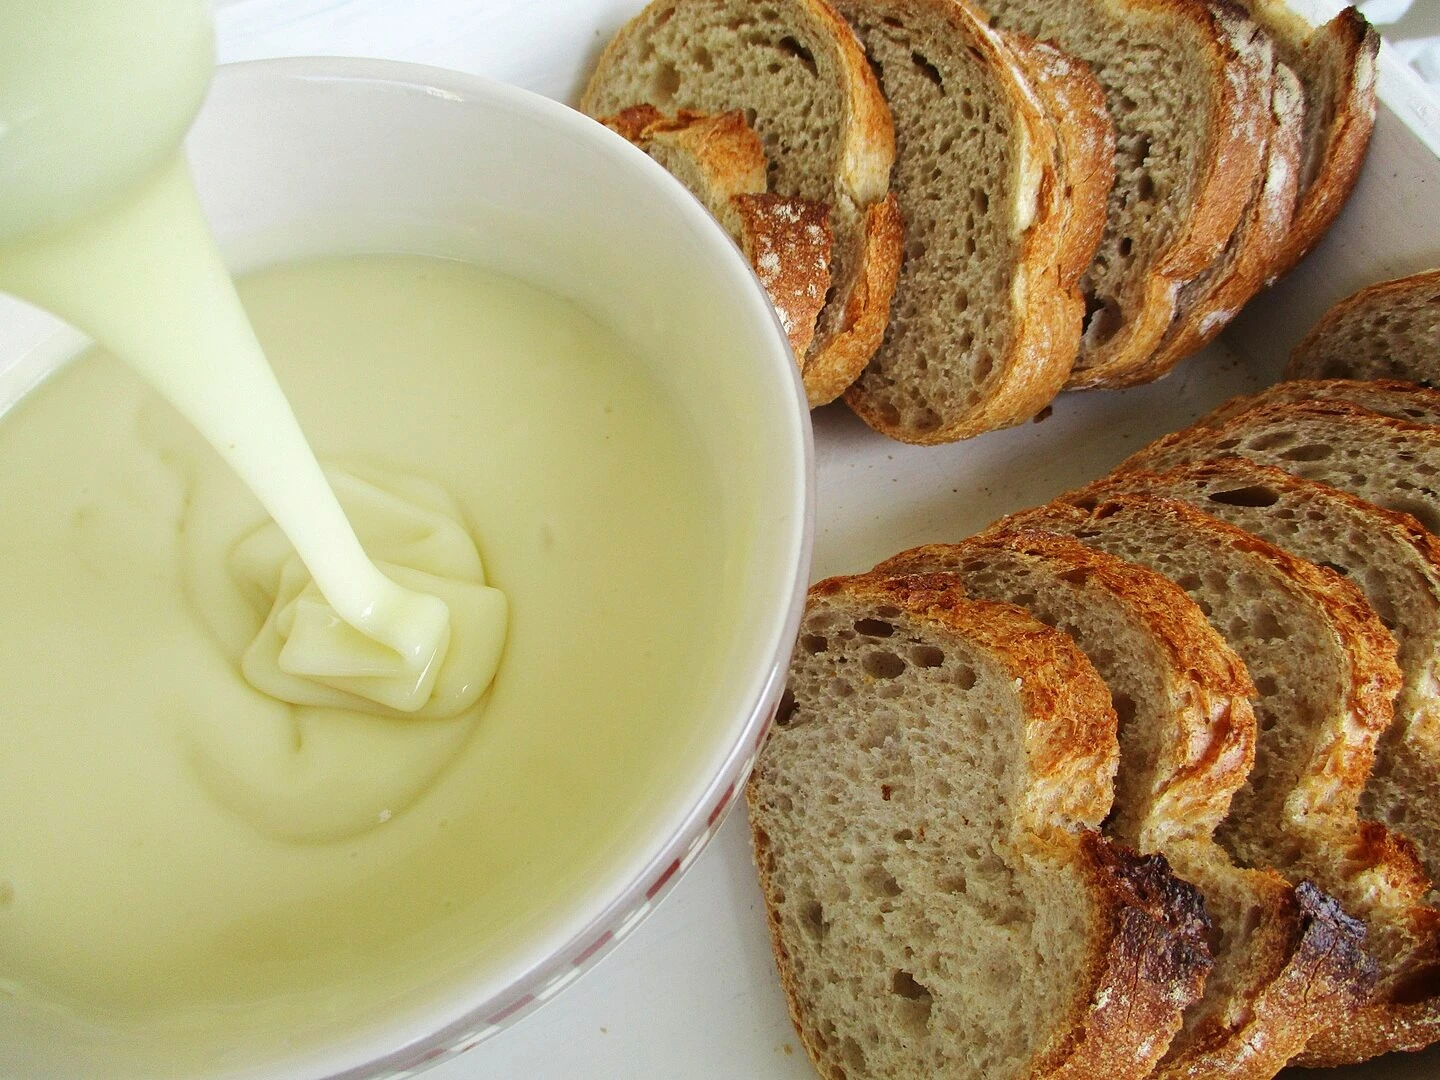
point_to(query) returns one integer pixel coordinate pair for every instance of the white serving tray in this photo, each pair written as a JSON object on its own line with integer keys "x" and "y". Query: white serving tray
{"x": 691, "y": 995}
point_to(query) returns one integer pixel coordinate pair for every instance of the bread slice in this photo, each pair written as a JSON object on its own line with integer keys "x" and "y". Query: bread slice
{"x": 1391, "y": 463}
{"x": 796, "y": 72}
{"x": 1206, "y": 304}
{"x": 1390, "y": 558}
{"x": 1336, "y": 66}
{"x": 987, "y": 314}
{"x": 1288, "y": 962}
{"x": 1325, "y": 670}
{"x": 1187, "y": 83}
{"x": 721, "y": 160}
{"x": 923, "y": 819}
{"x": 1389, "y": 330}
{"x": 1388, "y": 397}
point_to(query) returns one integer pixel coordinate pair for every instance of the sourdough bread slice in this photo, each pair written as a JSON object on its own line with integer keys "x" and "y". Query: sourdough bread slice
{"x": 923, "y": 819}
{"x": 1336, "y": 66}
{"x": 1325, "y": 670}
{"x": 1389, "y": 330}
{"x": 721, "y": 160}
{"x": 795, "y": 70}
{"x": 1206, "y": 304}
{"x": 1391, "y": 463}
{"x": 1187, "y": 84}
{"x": 1388, "y": 397}
{"x": 1288, "y": 963}
{"x": 987, "y": 317}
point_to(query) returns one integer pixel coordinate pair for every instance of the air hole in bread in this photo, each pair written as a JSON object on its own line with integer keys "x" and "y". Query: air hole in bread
{"x": 1275, "y": 440}
{"x": 1254, "y": 495}
{"x": 1144, "y": 191}
{"x": 874, "y": 627}
{"x": 1308, "y": 452}
{"x": 964, "y": 677}
{"x": 1126, "y": 246}
{"x": 904, "y": 836}
{"x": 702, "y": 58}
{"x": 667, "y": 82}
{"x": 954, "y": 884}
{"x": 1103, "y": 319}
{"x": 980, "y": 199}
{"x": 883, "y": 664}
{"x": 967, "y": 110}
{"x": 927, "y": 419}
{"x": 1124, "y": 707}
{"x": 785, "y": 711}
{"x": 929, "y": 70}
{"x": 984, "y": 365}
{"x": 1267, "y": 627}
{"x": 1076, "y": 575}
{"x": 791, "y": 47}
{"x": 1126, "y": 105}
{"x": 812, "y": 918}
{"x": 904, "y": 984}
{"x": 926, "y": 656}
{"x": 881, "y": 882}
{"x": 814, "y": 644}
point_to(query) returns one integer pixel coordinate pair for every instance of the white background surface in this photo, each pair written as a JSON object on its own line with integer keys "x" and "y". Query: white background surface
{"x": 691, "y": 994}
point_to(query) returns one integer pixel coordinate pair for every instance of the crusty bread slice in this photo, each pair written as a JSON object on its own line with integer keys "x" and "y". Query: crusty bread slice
{"x": 1206, "y": 304}
{"x": 1391, "y": 463}
{"x": 987, "y": 315}
{"x": 1389, "y": 557}
{"x": 1388, "y": 397}
{"x": 1187, "y": 83}
{"x": 721, "y": 160}
{"x": 1336, "y": 66}
{"x": 923, "y": 819}
{"x": 1288, "y": 963}
{"x": 1389, "y": 330}
{"x": 795, "y": 70}
{"x": 1325, "y": 670}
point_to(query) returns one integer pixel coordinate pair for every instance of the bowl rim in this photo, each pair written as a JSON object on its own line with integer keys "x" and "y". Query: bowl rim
{"x": 663, "y": 862}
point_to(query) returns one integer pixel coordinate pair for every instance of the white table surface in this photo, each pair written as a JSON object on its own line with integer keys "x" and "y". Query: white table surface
{"x": 692, "y": 994}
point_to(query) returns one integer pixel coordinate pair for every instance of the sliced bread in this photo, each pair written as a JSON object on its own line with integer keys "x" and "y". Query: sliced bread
{"x": 987, "y": 315}
{"x": 1391, "y": 463}
{"x": 796, "y": 72}
{"x": 721, "y": 160}
{"x": 1288, "y": 963}
{"x": 1325, "y": 670}
{"x": 1389, "y": 330}
{"x": 1206, "y": 304}
{"x": 1392, "y": 560}
{"x": 1187, "y": 83}
{"x": 1388, "y": 397}
{"x": 1336, "y": 66}
{"x": 923, "y": 819}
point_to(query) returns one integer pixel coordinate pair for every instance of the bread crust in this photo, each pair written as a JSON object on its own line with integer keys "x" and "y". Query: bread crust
{"x": 1394, "y": 398}
{"x": 1303, "y": 965}
{"x": 787, "y": 240}
{"x": 868, "y": 239}
{"x": 1336, "y": 62}
{"x": 1209, "y": 755}
{"x": 1230, "y": 162}
{"x": 1146, "y": 954}
{"x": 1208, "y": 303}
{"x": 1308, "y": 360}
{"x": 1044, "y": 305}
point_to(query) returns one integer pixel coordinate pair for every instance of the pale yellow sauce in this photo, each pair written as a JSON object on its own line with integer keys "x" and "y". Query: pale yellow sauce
{"x": 180, "y": 858}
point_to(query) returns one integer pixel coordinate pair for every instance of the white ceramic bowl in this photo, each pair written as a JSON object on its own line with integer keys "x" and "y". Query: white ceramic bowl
{"x": 305, "y": 157}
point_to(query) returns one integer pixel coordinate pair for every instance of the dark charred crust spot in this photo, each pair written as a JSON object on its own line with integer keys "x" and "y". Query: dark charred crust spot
{"x": 1330, "y": 945}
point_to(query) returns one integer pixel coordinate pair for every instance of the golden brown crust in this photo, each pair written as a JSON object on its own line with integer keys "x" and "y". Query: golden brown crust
{"x": 1229, "y": 166}
{"x": 866, "y": 261}
{"x": 1069, "y": 738}
{"x": 1147, "y": 955}
{"x": 1389, "y": 397}
{"x": 787, "y": 240}
{"x": 1209, "y": 753}
{"x": 1347, "y": 46}
{"x": 835, "y": 362}
{"x": 1208, "y": 303}
{"x": 1306, "y": 360}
